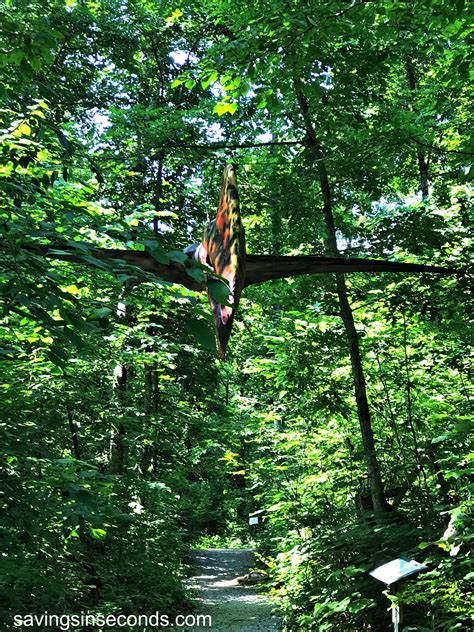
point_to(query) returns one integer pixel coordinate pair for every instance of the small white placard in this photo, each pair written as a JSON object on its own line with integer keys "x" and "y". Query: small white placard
{"x": 397, "y": 569}
{"x": 253, "y": 520}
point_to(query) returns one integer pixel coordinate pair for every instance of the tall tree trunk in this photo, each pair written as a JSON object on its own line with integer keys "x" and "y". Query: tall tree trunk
{"x": 151, "y": 374}
{"x": 151, "y": 406}
{"x": 118, "y": 450}
{"x": 147, "y": 453}
{"x": 275, "y": 247}
{"x": 73, "y": 430}
{"x": 373, "y": 469}
{"x": 118, "y": 447}
{"x": 422, "y": 159}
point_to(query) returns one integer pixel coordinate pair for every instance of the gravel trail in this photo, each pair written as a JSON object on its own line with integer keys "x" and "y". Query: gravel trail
{"x": 233, "y": 608}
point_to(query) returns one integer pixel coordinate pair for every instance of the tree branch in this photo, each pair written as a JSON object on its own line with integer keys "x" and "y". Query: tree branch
{"x": 441, "y": 150}
{"x": 203, "y": 147}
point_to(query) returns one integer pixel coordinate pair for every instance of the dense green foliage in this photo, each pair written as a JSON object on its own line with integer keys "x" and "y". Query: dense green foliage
{"x": 124, "y": 439}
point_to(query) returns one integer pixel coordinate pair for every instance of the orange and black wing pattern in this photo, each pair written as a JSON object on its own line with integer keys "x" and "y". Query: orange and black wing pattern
{"x": 223, "y": 249}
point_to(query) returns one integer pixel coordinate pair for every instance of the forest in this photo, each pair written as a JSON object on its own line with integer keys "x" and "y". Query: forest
{"x": 135, "y": 426}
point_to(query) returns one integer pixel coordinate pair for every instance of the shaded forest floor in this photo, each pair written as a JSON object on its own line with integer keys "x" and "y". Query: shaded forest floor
{"x": 233, "y": 607}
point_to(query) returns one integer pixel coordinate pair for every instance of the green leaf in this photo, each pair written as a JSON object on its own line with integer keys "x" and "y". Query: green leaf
{"x": 177, "y": 256}
{"x": 76, "y": 340}
{"x": 225, "y": 108}
{"x": 97, "y": 263}
{"x": 219, "y": 291}
{"x": 203, "y": 333}
{"x": 101, "y": 312}
{"x": 424, "y": 545}
{"x": 22, "y": 130}
{"x": 98, "y": 534}
{"x": 439, "y": 439}
{"x": 79, "y": 245}
{"x": 35, "y": 63}
{"x": 159, "y": 254}
{"x": 195, "y": 273}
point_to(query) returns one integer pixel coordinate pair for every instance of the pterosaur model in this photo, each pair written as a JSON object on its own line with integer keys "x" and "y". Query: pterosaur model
{"x": 222, "y": 255}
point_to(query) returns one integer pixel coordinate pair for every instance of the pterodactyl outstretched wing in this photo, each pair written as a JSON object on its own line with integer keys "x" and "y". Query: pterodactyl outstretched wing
{"x": 259, "y": 268}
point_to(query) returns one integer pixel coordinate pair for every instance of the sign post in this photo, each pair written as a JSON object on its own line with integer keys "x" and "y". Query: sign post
{"x": 395, "y": 616}
{"x": 392, "y": 573}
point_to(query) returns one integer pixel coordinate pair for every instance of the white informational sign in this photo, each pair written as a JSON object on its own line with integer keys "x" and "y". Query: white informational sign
{"x": 253, "y": 520}
{"x": 396, "y": 570}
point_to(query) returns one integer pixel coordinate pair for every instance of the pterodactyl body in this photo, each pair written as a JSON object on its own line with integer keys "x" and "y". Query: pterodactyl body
{"x": 223, "y": 249}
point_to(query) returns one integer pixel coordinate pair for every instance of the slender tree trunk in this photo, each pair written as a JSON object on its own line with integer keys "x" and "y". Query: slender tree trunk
{"x": 73, "y": 430}
{"x": 147, "y": 453}
{"x": 391, "y": 414}
{"x": 156, "y": 388}
{"x": 275, "y": 247}
{"x": 151, "y": 405}
{"x": 444, "y": 488}
{"x": 422, "y": 159}
{"x": 423, "y": 169}
{"x": 118, "y": 447}
{"x": 409, "y": 405}
{"x": 373, "y": 469}
{"x": 118, "y": 450}
{"x": 148, "y": 398}
{"x": 158, "y": 194}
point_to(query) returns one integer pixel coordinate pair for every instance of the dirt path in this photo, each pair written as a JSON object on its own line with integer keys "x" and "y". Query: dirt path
{"x": 233, "y": 608}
